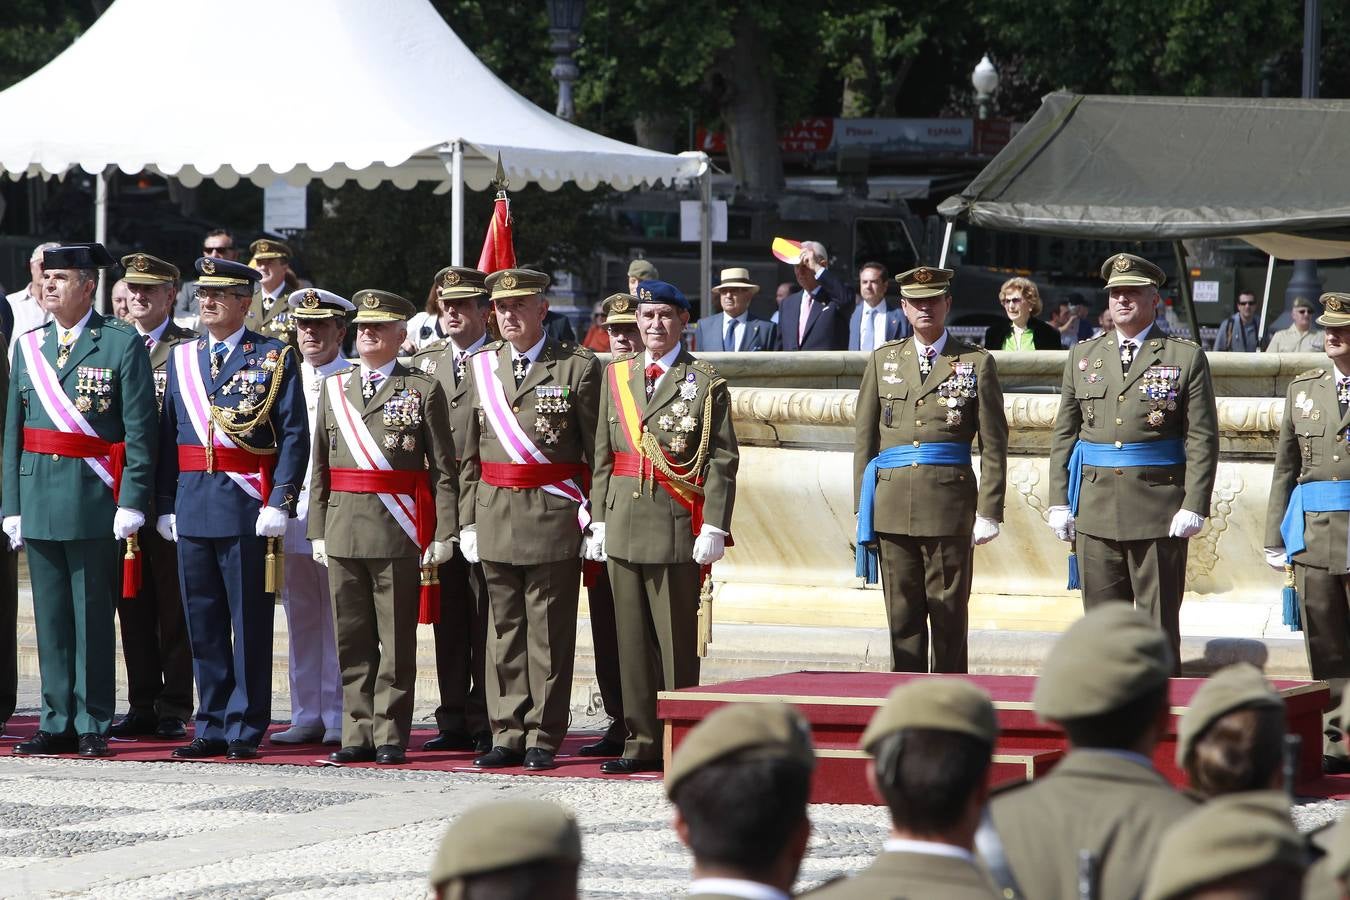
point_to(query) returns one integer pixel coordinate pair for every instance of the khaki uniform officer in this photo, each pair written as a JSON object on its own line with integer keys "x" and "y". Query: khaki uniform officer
{"x": 665, "y": 485}
{"x": 81, "y": 387}
{"x": 269, "y": 313}
{"x": 1134, "y": 453}
{"x": 523, "y": 506}
{"x": 461, "y": 632}
{"x": 1104, "y": 807}
{"x": 155, "y": 644}
{"x": 383, "y": 496}
{"x": 1231, "y": 737}
{"x": 516, "y": 848}
{"x": 923, "y": 401}
{"x": 1329, "y": 877}
{"x": 1308, "y": 518}
{"x": 934, "y": 810}
{"x": 1242, "y": 845}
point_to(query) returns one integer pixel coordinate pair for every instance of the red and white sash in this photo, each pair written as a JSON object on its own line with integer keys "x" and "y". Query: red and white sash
{"x": 366, "y": 450}
{"x": 518, "y": 445}
{"x": 59, "y": 407}
{"x": 199, "y": 412}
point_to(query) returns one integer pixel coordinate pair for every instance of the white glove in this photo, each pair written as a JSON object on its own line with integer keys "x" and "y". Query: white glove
{"x": 1185, "y": 524}
{"x": 985, "y": 530}
{"x": 593, "y": 546}
{"x": 709, "y": 546}
{"x": 167, "y": 526}
{"x": 468, "y": 543}
{"x": 12, "y": 529}
{"x": 127, "y": 522}
{"x": 319, "y": 551}
{"x": 271, "y": 522}
{"x": 437, "y": 553}
{"x": 1275, "y": 558}
{"x": 1061, "y": 522}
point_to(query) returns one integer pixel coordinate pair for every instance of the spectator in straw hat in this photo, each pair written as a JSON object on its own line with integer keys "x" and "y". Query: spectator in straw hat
{"x": 735, "y": 328}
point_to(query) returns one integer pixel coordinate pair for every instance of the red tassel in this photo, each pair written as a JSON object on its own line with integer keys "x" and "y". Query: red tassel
{"x": 131, "y": 575}
{"x": 429, "y": 604}
{"x": 590, "y": 572}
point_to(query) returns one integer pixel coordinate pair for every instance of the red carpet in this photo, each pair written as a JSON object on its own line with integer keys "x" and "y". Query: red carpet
{"x": 158, "y": 750}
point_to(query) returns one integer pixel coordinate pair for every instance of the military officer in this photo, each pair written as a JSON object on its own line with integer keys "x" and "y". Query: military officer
{"x": 269, "y": 314}
{"x": 1231, "y": 737}
{"x": 383, "y": 498}
{"x": 524, "y": 513}
{"x": 739, "y": 782}
{"x": 1308, "y": 515}
{"x": 155, "y": 646}
{"x": 516, "y": 848}
{"x": 1329, "y": 877}
{"x": 621, "y": 323}
{"x": 665, "y": 480}
{"x": 934, "y": 809}
{"x": 79, "y": 449}
{"x": 923, "y": 401}
{"x": 1134, "y": 453}
{"x": 9, "y": 596}
{"x": 461, "y": 632}
{"x": 234, "y": 443}
{"x": 320, "y": 319}
{"x": 1103, "y": 807}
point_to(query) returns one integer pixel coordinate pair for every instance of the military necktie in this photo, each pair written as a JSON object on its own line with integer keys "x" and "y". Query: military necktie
{"x": 653, "y": 372}
{"x": 63, "y": 351}
{"x": 519, "y": 367}
{"x": 218, "y": 351}
{"x": 926, "y": 363}
{"x": 371, "y": 385}
{"x": 729, "y": 339}
{"x": 149, "y": 343}
{"x": 461, "y": 365}
{"x": 1343, "y": 394}
{"x": 1127, "y": 351}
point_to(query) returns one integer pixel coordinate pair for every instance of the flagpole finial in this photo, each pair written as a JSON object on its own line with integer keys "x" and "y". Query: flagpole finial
{"x": 499, "y": 180}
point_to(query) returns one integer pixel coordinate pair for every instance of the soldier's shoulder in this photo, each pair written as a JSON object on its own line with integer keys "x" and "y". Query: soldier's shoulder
{"x": 1179, "y": 341}
{"x": 572, "y": 348}
{"x": 622, "y": 357}
{"x": 898, "y": 342}
{"x": 117, "y": 326}
{"x": 961, "y": 345}
{"x": 704, "y": 368}
{"x": 417, "y": 375}
{"x": 433, "y": 347}
{"x": 1310, "y": 375}
{"x": 489, "y": 347}
{"x": 263, "y": 341}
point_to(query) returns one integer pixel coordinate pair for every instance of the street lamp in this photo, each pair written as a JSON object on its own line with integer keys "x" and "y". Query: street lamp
{"x": 985, "y": 81}
{"x": 564, "y": 24}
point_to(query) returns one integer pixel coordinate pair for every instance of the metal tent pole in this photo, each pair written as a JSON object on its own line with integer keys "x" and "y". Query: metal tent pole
{"x": 101, "y": 233}
{"x": 1265, "y": 300}
{"x": 946, "y": 243}
{"x": 457, "y": 203}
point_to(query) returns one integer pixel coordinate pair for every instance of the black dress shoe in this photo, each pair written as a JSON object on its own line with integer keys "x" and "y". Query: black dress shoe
{"x": 627, "y": 766}
{"x": 134, "y": 725}
{"x": 1335, "y": 765}
{"x": 391, "y": 755}
{"x": 602, "y": 747}
{"x": 201, "y": 748}
{"x": 352, "y": 755}
{"x": 93, "y": 745}
{"x": 44, "y": 743}
{"x": 482, "y": 742}
{"x": 451, "y": 740}
{"x": 170, "y": 727}
{"x": 241, "y": 750}
{"x": 499, "y": 758}
{"x": 537, "y": 759}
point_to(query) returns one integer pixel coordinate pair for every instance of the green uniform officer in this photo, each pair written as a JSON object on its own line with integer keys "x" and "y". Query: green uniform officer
{"x": 512, "y": 848}
{"x": 382, "y": 503}
{"x": 523, "y": 510}
{"x": 1134, "y": 453}
{"x": 269, "y": 313}
{"x": 1231, "y": 737}
{"x": 665, "y": 485}
{"x": 81, "y": 399}
{"x": 923, "y": 402}
{"x": 1308, "y": 517}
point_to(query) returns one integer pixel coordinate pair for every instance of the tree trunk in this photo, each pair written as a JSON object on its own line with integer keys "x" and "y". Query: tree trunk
{"x": 749, "y": 110}
{"x": 656, "y": 131}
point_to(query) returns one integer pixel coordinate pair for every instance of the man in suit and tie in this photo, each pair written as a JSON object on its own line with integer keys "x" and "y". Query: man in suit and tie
{"x": 876, "y": 319}
{"x": 735, "y": 328}
{"x": 816, "y": 317}
{"x": 155, "y": 644}
{"x": 234, "y": 444}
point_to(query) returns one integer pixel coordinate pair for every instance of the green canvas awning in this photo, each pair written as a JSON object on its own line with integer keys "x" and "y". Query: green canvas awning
{"x": 1169, "y": 168}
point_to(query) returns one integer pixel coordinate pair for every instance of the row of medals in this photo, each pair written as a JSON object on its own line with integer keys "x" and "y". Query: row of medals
{"x": 250, "y": 384}
{"x": 679, "y": 421}
{"x": 93, "y": 382}
{"x": 957, "y": 390}
{"x": 1159, "y": 387}
{"x": 552, "y": 404}
{"x": 402, "y": 412}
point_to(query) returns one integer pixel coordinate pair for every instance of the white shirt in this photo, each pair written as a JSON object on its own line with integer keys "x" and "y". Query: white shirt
{"x": 735, "y": 887}
{"x": 456, "y": 349}
{"x": 932, "y": 848}
{"x": 28, "y": 314}
{"x": 312, "y": 379}
{"x": 664, "y": 362}
{"x": 739, "y": 336}
{"x": 230, "y": 342}
{"x": 531, "y": 354}
{"x": 941, "y": 342}
{"x": 73, "y": 331}
{"x": 1137, "y": 340}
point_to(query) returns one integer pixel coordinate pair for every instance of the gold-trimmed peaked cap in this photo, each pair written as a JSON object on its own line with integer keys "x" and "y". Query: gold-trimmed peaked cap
{"x": 269, "y": 248}
{"x": 381, "y": 306}
{"x": 516, "y": 283}
{"x": 748, "y": 730}
{"x": 459, "y": 283}
{"x": 504, "y": 835}
{"x": 942, "y": 704}
{"x": 1128, "y": 269}
{"x": 315, "y": 303}
{"x": 212, "y": 272}
{"x": 621, "y": 309}
{"x": 142, "y": 268}
{"x": 925, "y": 281}
{"x": 1335, "y": 310}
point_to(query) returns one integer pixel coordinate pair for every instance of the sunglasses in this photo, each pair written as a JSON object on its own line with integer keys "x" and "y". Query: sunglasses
{"x": 207, "y": 251}
{"x": 1246, "y": 303}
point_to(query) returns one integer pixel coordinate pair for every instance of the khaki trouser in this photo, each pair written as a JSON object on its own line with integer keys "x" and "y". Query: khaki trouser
{"x": 1151, "y": 574}
{"x": 926, "y": 581}
{"x": 1324, "y": 603}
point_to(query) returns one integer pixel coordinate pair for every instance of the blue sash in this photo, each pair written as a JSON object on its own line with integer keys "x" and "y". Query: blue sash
{"x": 1311, "y": 496}
{"x": 1170, "y": 452}
{"x": 939, "y": 453}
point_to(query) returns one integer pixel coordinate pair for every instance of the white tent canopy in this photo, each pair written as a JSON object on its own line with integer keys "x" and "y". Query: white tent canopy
{"x": 299, "y": 89}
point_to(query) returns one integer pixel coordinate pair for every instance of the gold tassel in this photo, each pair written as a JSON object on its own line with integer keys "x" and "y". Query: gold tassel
{"x": 705, "y": 604}
{"x": 431, "y": 575}
{"x": 274, "y": 567}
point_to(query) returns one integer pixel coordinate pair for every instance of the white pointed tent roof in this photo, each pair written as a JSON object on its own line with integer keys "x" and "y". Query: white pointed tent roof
{"x": 330, "y": 89}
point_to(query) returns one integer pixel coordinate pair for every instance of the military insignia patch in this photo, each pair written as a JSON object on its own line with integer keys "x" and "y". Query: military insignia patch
{"x": 620, "y": 305}
{"x": 451, "y": 279}
{"x": 1122, "y": 263}
{"x": 370, "y": 301}
{"x": 264, "y": 247}
{"x": 508, "y": 281}
{"x": 310, "y": 300}
{"x": 140, "y": 263}
{"x": 923, "y": 276}
{"x": 208, "y": 267}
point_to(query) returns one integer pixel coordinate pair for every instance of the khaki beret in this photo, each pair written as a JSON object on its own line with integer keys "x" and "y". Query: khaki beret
{"x": 517, "y": 283}
{"x": 457, "y": 282}
{"x": 1128, "y": 269}
{"x": 1302, "y": 302}
{"x": 621, "y": 309}
{"x": 1231, "y": 688}
{"x": 945, "y": 704}
{"x": 771, "y": 730}
{"x": 506, "y": 834}
{"x": 1336, "y": 308}
{"x": 142, "y": 268}
{"x": 925, "y": 281}
{"x": 269, "y": 248}
{"x": 1227, "y": 836}
{"x": 382, "y": 306}
{"x": 1336, "y": 841}
{"x": 1113, "y": 655}
{"x": 643, "y": 270}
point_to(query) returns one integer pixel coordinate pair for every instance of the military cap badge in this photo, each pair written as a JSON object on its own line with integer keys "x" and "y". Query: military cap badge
{"x": 620, "y": 305}
{"x": 1334, "y": 304}
{"x": 310, "y": 300}
{"x": 451, "y": 279}
{"x": 208, "y": 266}
{"x": 644, "y": 294}
{"x": 1122, "y": 263}
{"x": 140, "y": 263}
{"x": 508, "y": 281}
{"x": 264, "y": 247}
{"x": 370, "y": 301}
{"x": 923, "y": 276}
